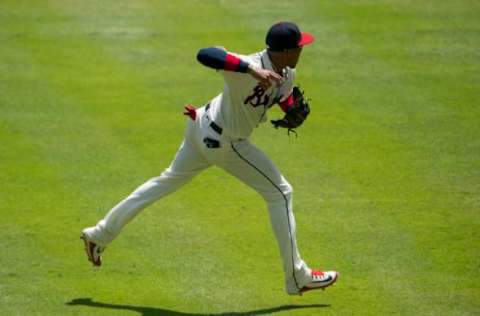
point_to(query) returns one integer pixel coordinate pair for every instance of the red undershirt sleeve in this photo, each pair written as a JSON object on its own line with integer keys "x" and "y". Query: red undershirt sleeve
{"x": 287, "y": 103}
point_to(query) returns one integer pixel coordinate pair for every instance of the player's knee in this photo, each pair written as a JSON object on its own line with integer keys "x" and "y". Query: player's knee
{"x": 286, "y": 188}
{"x": 169, "y": 175}
{"x": 278, "y": 193}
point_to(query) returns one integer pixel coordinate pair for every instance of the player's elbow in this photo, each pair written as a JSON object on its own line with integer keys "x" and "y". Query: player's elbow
{"x": 202, "y": 56}
{"x": 212, "y": 57}
{"x": 206, "y": 55}
{"x": 286, "y": 188}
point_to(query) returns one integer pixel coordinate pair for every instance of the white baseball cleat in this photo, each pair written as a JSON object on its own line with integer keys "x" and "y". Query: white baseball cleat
{"x": 319, "y": 280}
{"x": 93, "y": 250}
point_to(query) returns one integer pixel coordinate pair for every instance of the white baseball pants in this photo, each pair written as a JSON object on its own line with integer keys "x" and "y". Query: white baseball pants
{"x": 239, "y": 158}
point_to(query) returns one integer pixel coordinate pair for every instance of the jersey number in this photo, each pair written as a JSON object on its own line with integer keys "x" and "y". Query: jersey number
{"x": 258, "y": 97}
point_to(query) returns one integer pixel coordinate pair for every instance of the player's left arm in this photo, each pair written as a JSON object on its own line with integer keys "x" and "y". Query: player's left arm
{"x": 293, "y": 104}
{"x": 286, "y": 100}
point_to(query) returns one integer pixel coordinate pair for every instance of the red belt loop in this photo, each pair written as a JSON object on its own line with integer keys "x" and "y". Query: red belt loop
{"x": 190, "y": 111}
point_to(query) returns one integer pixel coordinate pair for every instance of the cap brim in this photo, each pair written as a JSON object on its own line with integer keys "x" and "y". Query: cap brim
{"x": 306, "y": 39}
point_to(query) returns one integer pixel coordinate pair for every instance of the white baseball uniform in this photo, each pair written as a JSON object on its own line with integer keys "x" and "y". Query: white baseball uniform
{"x": 219, "y": 136}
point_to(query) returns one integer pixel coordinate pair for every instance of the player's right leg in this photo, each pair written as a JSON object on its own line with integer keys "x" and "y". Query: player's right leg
{"x": 187, "y": 163}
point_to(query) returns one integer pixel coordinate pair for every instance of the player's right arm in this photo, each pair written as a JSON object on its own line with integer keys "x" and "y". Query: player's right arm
{"x": 220, "y": 59}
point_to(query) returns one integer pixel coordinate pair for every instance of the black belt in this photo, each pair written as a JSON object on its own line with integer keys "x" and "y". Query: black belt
{"x": 213, "y": 125}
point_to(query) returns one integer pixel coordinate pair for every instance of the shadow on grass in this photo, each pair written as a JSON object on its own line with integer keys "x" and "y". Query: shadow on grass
{"x": 152, "y": 311}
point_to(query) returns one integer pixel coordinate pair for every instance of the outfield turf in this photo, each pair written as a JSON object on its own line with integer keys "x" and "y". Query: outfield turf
{"x": 386, "y": 170}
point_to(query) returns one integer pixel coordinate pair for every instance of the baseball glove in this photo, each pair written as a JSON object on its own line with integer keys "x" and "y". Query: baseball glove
{"x": 296, "y": 114}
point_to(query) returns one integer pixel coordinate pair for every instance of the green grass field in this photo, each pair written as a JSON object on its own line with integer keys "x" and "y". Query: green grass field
{"x": 386, "y": 170}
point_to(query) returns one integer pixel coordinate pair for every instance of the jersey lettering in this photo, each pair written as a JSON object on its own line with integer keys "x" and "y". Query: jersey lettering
{"x": 258, "y": 97}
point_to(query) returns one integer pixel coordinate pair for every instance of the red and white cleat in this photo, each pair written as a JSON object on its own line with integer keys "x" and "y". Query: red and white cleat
{"x": 319, "y": 280}
{"x": 93, "y": 250}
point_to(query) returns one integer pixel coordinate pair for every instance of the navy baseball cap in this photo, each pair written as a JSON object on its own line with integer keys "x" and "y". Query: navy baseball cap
{"x": 287, "y": 35}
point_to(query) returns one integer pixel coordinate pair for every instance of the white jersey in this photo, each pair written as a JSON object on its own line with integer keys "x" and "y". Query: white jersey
{"x": 243, "y": 104}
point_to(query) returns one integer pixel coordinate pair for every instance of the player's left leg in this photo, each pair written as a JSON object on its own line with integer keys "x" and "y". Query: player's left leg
{"x": 255, "y": 169}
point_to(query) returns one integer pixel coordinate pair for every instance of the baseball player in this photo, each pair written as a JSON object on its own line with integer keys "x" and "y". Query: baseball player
{"x": 218, "y": 134}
